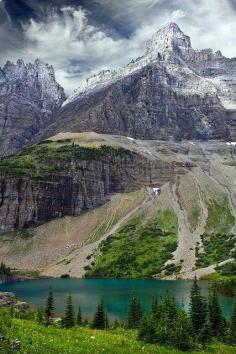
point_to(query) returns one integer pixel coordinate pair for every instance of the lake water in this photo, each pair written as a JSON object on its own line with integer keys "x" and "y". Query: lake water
{"x": 115, "y": 293}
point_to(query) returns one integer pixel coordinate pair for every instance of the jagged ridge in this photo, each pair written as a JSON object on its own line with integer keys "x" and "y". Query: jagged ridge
{"x": 29, "y": 97}
{"x": 172, "y": 91}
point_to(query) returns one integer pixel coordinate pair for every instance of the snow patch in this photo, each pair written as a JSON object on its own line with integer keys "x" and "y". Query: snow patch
{"x": 156, "y": 191}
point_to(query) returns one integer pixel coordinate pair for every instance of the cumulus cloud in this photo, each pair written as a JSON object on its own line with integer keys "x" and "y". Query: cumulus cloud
{"x": 78, "y": 46}
{"x": 75, "y": 47}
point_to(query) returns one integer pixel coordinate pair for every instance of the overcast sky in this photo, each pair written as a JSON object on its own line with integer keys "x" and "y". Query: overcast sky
{"x": 81, "y": 37}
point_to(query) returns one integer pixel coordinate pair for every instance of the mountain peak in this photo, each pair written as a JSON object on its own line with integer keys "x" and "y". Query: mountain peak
{"x": 169, "y": 37}
{"x": 170, "y": 28}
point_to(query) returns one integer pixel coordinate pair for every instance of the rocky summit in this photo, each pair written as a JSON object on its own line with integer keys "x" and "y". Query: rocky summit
{"x": 29, "y": 98}
{"x": 172, "y": 91}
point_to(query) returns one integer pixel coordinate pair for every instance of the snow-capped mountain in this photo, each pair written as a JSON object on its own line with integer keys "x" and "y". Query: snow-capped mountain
{"x": 170, "y": 45}
{"x": 29, "y": 97}
{"x": 172, "y": 91}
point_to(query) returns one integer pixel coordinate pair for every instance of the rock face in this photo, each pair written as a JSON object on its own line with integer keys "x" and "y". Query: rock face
{"x": 172, "y": 91}
{"x": 75, "y": 180}
{"x": 29, "y": 98}
{"x": 8, "y": 299}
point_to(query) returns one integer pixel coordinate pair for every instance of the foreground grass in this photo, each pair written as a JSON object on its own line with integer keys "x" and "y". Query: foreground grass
{"x": 37, "y": 339}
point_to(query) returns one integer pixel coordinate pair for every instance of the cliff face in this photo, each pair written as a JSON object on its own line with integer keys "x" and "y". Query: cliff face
{"x": 46, "y": 181}
{"x": 144, "y": 105}
{"x": 29, "y": 97}
{"x": 172, "y": 91}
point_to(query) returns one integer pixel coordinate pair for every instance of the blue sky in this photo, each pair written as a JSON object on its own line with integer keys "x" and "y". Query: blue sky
{"x": 82, "y": 37}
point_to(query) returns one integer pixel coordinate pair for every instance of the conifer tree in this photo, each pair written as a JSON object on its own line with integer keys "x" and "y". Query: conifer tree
{"x": 134, "y": 313}
{"x": 79, "y": 320}
{"x": 68, "y": 319}
{"x": 198, "y": 307}
{"x": 99, "y": 320}
{"x": 155, "y": 309}
{"x": 204, "y": 336}
{"x": 166, "y": 320}
{"x": 147, "y": 330}
{"x": 216, "y": 319}
{"x": 182, "y": 332}
{"x": 49, "y": 308}
{"x": 168, "y": 307}
{"x": 232, "y": 328}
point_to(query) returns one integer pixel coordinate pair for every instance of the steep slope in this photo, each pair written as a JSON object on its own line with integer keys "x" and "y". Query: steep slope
{"x": 198, "y": 192}
{"x": 202, "y": 201}
{"x": 29, "y": 97}
{"x": 172, "y": 91}
{"x": 59, "y": 177}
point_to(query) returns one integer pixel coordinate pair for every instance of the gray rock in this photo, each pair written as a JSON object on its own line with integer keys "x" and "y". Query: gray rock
{"x": 29, "y": 98}
{"x": 77, "y": 186}
{"x": 7, "y": 299}
{"x": 21, "y": 305}
{"x": 16, "y": 344}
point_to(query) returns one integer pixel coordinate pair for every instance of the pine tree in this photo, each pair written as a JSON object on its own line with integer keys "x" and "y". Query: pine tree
{"x": 216, "y": 319}
{"x": 134, "y": 313}
{"x": 166, "y": 320}
{"x": 68, "y": 319}
{"x": 155, "y": 309}
{"x": 79, "y": 320}
{"x": 181, "y": 337}
{"x": 232, "y": 328}
{"x": 198, "y": 307}
{"x": 99, "y": 320}
{"x": 204, "y": 336}
{"x": 168, "y": 308}
{"x": 49, "y": 308}
{"x": 147, "y": 330}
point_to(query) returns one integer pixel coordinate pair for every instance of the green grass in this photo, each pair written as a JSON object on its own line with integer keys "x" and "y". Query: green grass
{"x": 220, "y": 219}
{"x": 217, "y": 248}
{"x": 218, "y": 241}
{"x": 139, "y": 250}
{"x": 48, "y": 158}
{"x": 37, "y": 339}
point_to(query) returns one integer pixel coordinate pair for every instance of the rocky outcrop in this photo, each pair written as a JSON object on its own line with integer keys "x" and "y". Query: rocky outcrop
{"x": 74, "y": 180}
{"x": 29, "y": 98}
{"x": 172, "y": 91}
{"x": 8, "y": 299}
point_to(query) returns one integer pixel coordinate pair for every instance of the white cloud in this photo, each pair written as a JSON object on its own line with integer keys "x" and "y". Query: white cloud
{"x": 177, "y": 14}
{"x": 77, "y": 49}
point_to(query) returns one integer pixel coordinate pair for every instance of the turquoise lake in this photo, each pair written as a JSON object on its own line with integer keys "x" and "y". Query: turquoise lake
{"x": 115, "y": 293}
